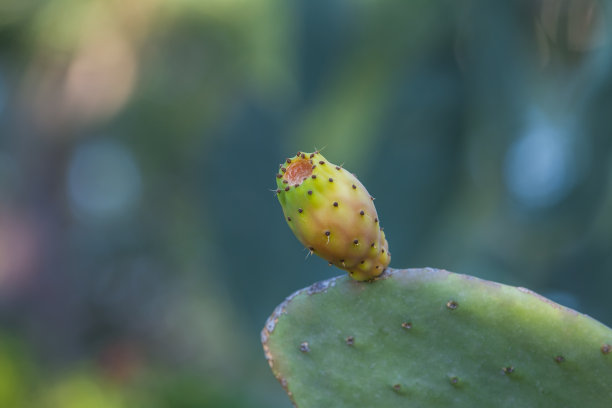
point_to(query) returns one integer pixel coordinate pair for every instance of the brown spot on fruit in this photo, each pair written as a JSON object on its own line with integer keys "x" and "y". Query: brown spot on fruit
{"x": 356, "y": 241}
{"x": 300, "y": 210}
{"x": 321, "y": 162}
{"x": 454, "y": 380}
{"x": 314, "y": 176}
{"x": 354, "y": 187}
{"x": 407, "y": 325}
{"x": 304, "y": 347}
{"x": 309, "y": 192}
{"x": 327, "y": 233}
{"x": 331, "y": 180}
{"x": 288, "y": 218}
{"x": 335, "y": 203}
{"x": 361, "y": 212}
{"x": 559, "y": 359}
{"x": 350, "y": 340}
{"x": 287, "y": 188}
{"x": 606, "y": 348}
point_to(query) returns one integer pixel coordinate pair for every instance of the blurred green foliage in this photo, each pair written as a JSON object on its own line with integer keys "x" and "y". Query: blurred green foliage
{"x": 140, "y": 247}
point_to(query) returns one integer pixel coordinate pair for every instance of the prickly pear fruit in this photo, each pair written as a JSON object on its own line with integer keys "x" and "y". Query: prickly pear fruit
{"x": 332, "y": 214}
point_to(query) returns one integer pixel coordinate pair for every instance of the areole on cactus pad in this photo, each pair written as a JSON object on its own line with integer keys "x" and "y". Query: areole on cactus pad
{"x": 332, "y": 214}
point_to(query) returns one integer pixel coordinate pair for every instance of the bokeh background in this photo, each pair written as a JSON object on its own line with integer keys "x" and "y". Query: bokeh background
{"x": 141, "y": 246}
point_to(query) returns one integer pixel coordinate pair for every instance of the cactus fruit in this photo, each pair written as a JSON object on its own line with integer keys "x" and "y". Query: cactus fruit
{"x": 432, "y": 338}
{"x": 332, "y": 214}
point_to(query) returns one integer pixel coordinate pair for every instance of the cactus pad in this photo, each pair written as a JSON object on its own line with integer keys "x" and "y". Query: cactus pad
{"x": 332, "y": 214}
{"x": 432, "y": 338}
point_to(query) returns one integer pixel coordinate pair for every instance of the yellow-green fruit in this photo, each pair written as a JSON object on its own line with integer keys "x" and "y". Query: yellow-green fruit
{"x": 332, "y": 214}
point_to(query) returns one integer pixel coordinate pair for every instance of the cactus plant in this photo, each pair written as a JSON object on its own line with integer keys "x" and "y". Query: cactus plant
{"x": 416, "y": 337}
{"x": 332, "y": 214}
{"x": 432, "y": 338}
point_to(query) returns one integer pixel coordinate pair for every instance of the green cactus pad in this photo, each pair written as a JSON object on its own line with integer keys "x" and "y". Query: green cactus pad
{"x": 432, "y": 338}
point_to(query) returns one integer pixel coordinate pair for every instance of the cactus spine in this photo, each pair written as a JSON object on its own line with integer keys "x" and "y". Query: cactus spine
{"x": 332, "y": 214}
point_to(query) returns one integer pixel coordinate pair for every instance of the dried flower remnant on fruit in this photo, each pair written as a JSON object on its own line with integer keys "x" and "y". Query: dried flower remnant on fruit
{"x": 297, "y": 171}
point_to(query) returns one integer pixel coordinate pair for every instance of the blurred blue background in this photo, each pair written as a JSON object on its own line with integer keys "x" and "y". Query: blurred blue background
{"x": 141, "y": 248}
